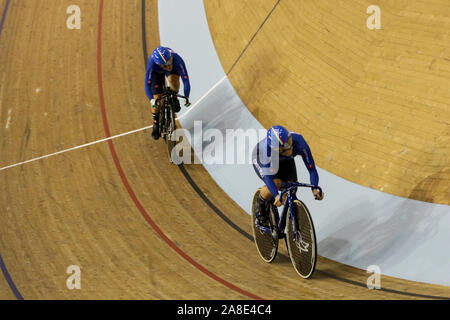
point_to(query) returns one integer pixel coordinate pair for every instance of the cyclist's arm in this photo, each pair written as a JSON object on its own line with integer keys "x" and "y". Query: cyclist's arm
{"x": 271, "y": 185}
{"x": 263, "y": 162}
{"x": 148, "y": 89}
{"x": 184, "y": 77}
{"x": 310, "y": 165}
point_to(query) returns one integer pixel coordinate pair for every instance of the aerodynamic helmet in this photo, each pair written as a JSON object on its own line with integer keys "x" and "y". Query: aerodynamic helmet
{"x": 278, "y": 137}
{"x": 162, "y": 55}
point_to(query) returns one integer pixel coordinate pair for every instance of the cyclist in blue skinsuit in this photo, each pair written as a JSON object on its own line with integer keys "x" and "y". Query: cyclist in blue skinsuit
{"x": 164, "y": 62}
{"x": 284, "y": 145}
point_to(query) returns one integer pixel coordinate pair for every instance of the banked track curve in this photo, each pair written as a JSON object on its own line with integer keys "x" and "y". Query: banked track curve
{"x": 316, "y": 289}
{"x": 230, "y": 222}
{"x": 130, "y": 191}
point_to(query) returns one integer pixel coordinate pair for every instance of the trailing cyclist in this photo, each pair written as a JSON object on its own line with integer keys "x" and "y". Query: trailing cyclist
{"x": 273, "y": 161}
{"x": 164, "y": 62}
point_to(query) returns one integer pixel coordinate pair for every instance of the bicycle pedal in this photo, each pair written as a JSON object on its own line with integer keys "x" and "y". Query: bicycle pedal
{"x": 262, "y": 229}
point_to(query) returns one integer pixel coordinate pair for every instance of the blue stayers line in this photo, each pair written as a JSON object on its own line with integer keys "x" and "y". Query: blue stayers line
{"x": 2, "y": 264}
{"x": 9, "y": 280}
{"x": 4, "y": 17}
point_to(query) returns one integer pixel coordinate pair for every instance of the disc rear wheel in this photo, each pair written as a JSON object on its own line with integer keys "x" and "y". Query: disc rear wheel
{"x": 266, "y": 243}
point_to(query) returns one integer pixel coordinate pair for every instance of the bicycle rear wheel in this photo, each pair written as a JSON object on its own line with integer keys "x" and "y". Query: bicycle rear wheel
{"x": 303, "y": 248}
{"x": 266, "y": 243}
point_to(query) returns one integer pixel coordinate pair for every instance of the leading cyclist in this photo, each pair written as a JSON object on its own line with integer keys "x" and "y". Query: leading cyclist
{"x": 164, "y": 62}
{"x": 287, "y": 145}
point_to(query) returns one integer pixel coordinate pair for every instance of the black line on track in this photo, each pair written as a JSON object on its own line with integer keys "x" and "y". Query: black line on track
{"x": 144, "y": 34}
{"x": 211, "y": 205}
{"x": 222, "y": 215}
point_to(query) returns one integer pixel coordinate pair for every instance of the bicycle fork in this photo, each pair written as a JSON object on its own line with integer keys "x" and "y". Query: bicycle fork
{"x": 301, "y": 245}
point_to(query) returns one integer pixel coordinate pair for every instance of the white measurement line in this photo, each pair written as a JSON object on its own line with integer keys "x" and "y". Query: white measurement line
{"x": 113, "y": 137}
{"x": 8, "y": 121}
{"x": 74, "y": 148}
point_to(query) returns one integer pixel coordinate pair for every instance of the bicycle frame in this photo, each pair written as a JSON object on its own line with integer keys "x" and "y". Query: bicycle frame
{"x": 280, "y": 221}
{"x": 166, "y": 111}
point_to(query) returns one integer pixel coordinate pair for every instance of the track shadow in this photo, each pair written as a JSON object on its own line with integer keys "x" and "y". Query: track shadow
{"x": 432, "y": 186}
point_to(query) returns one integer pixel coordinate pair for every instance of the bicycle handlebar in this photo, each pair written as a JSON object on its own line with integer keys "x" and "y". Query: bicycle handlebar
{"x": 293, "y": 185}
{"x": 173, "y": 94}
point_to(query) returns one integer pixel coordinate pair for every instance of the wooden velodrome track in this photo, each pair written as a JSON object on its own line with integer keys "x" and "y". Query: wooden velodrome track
{"x": 141, "y": 228}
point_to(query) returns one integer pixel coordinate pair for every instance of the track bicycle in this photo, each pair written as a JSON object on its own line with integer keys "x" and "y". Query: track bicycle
{"x": 300, "y": 236}
{"x": 167, "y": 124}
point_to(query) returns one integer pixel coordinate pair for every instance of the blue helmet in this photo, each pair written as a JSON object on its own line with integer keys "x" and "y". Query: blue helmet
{"x": 162, "y": 55}
{"x": 278, "y": 136}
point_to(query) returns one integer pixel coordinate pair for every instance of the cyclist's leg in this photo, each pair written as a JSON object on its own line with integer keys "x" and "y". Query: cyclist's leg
{"x": 174, "y": 81}
{"x": 264, "y": 197}
{"x": 174, "y": 85}
{"x": 288, "y": 172}
{"x": 157, "y": 85}
{"x": 265, "y": 192}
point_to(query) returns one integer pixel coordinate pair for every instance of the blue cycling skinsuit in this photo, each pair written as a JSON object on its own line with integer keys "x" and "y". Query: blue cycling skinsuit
{"x": 154, "y": 76}
{"x": 287, "y": 170}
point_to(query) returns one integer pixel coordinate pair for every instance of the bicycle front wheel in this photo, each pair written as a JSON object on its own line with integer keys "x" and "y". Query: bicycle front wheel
{"x": 301, "y": 240}
{"x": 171, "y": 138}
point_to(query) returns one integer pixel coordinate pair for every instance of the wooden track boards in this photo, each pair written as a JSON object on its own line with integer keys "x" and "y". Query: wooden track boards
{"x": 373, "y": 104}
{"x": 74, "y": 208}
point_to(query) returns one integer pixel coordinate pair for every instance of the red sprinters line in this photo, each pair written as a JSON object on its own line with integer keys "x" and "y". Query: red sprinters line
{"x": 127, "y": 185}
